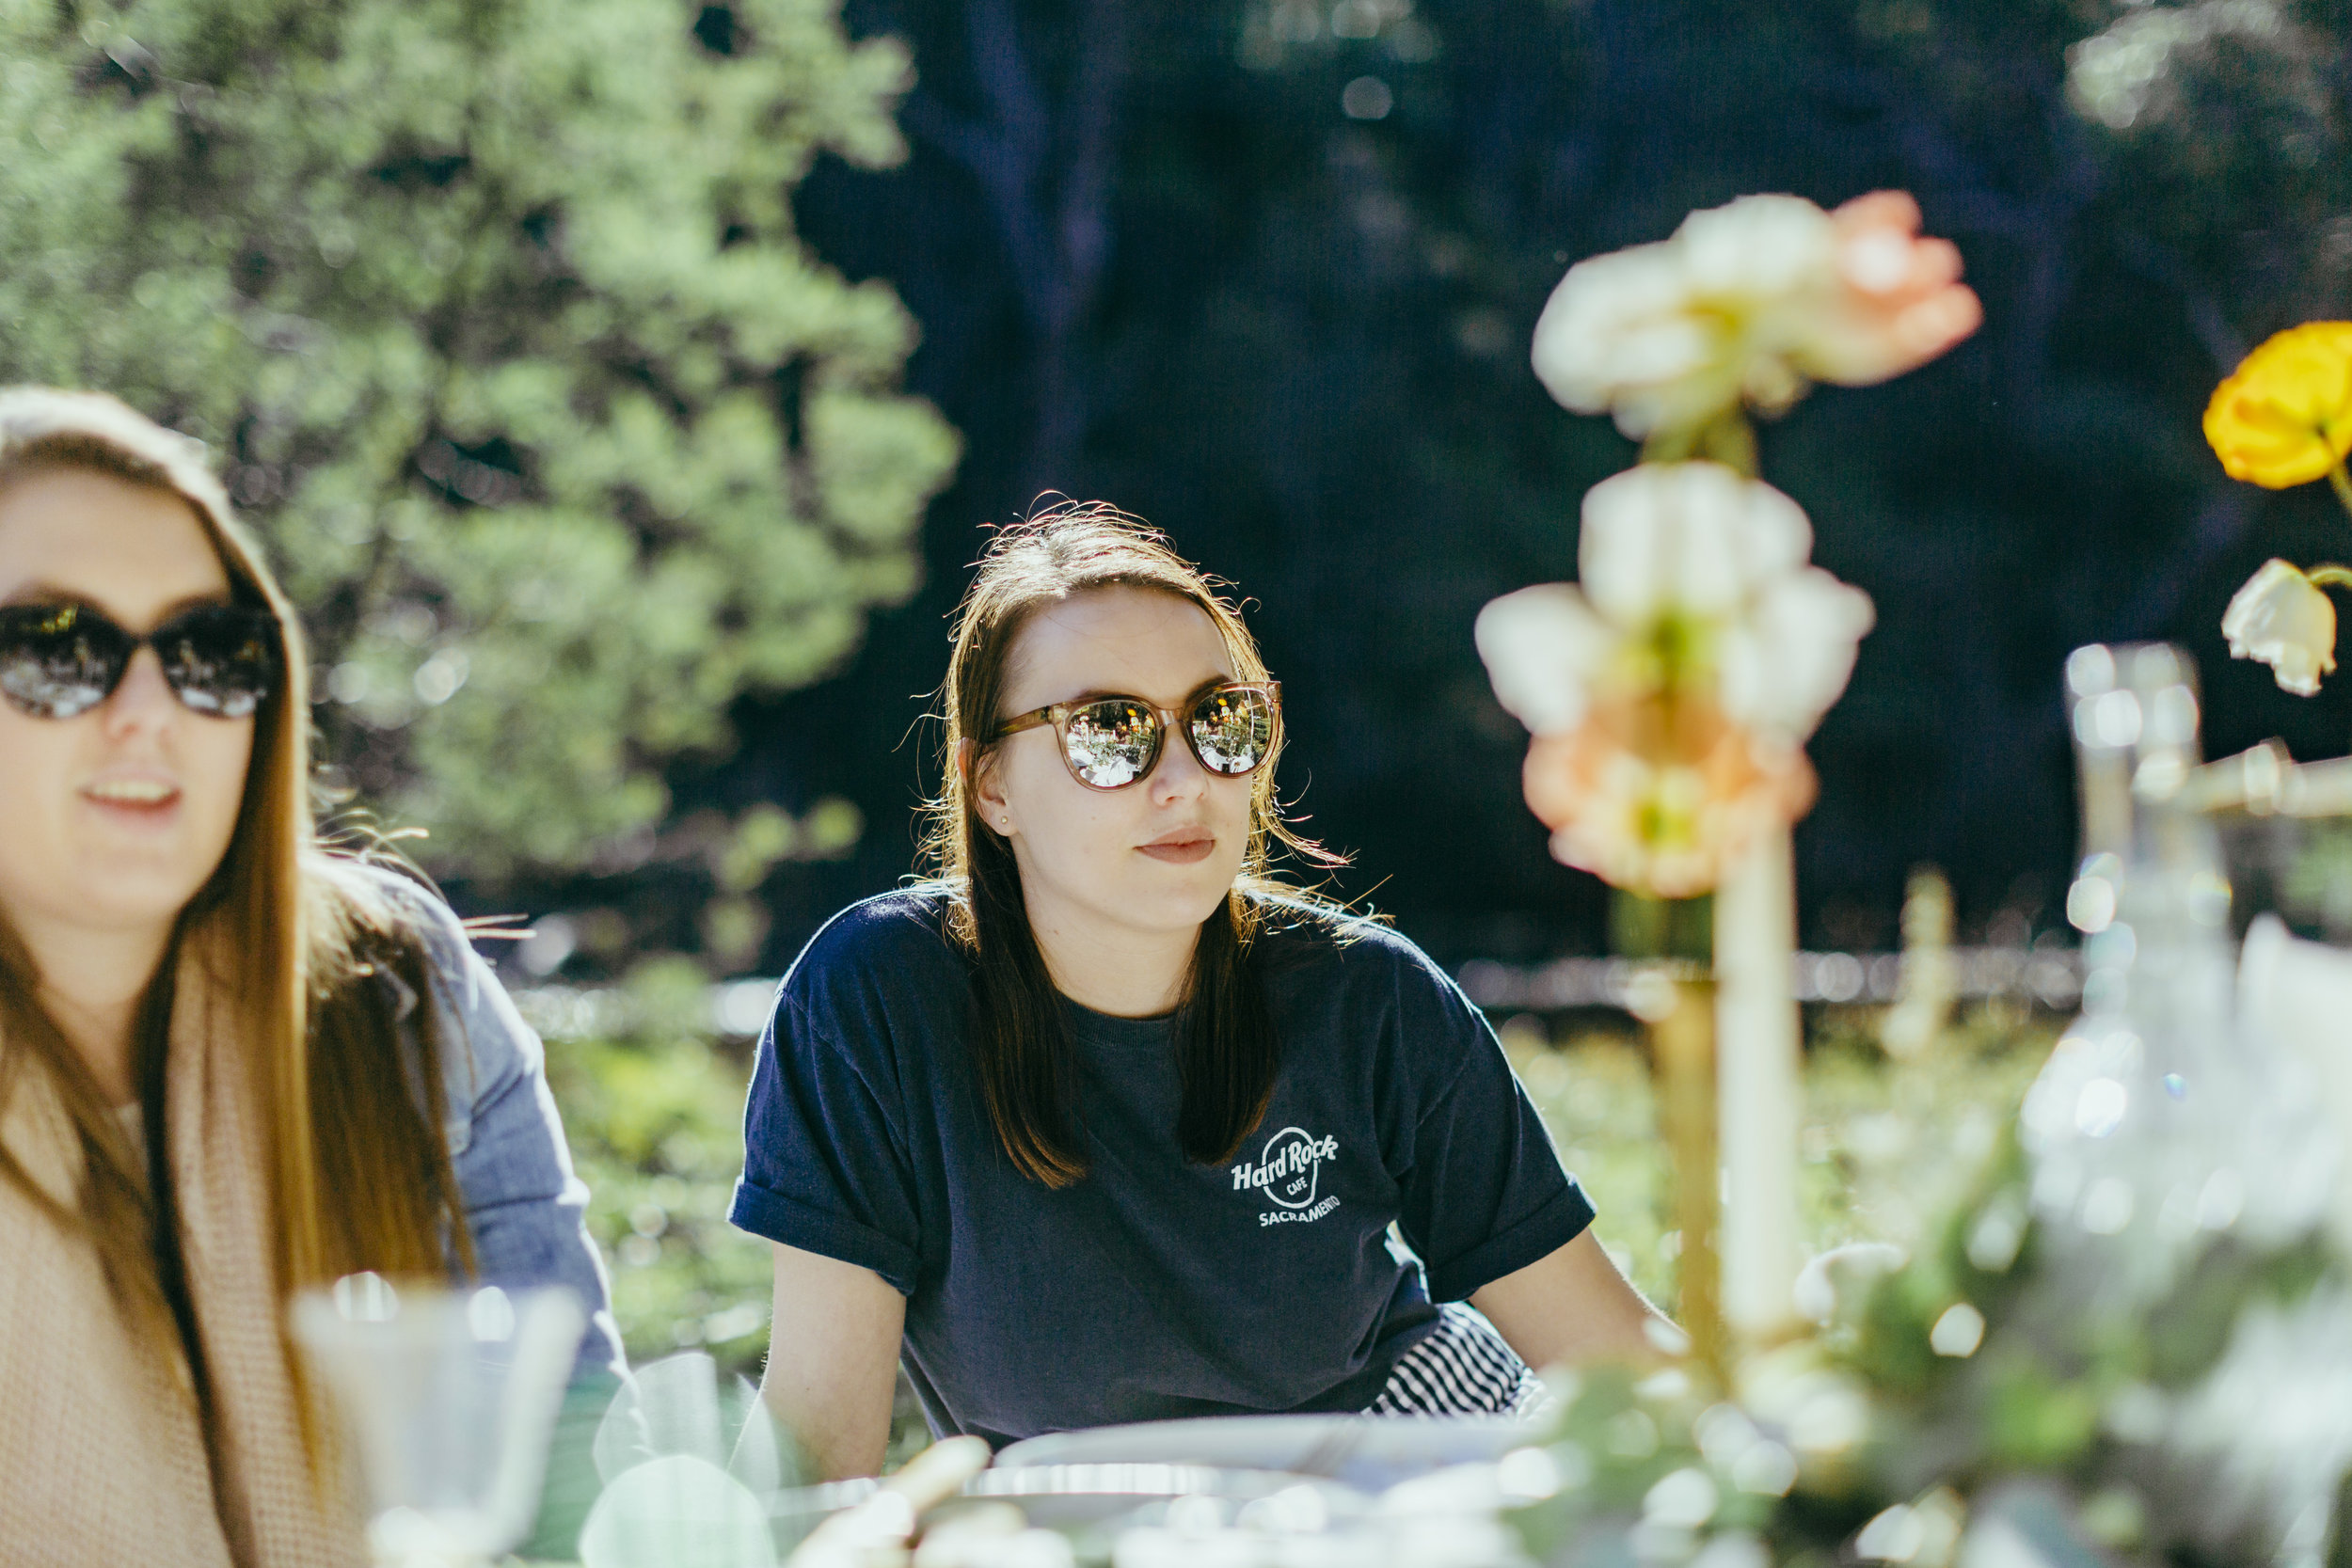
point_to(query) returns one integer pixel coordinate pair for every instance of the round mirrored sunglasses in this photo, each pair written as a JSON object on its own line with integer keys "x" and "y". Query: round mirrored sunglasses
{"x": 1109, "y": 742}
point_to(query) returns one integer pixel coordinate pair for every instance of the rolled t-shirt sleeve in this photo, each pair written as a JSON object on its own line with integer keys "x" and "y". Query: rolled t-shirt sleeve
{"x": 1483, "y": 1194}
{"x": 823, "y": 1163}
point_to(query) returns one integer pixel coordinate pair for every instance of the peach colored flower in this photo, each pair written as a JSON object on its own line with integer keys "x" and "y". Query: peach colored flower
{"x": 1661, "y": 798}
{"x": 1901, "y": 302}
{"x": 1748, "y": 303}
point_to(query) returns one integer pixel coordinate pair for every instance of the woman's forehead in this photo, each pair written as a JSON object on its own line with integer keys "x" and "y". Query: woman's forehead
{"x": 1137, "y": 642}
{"x": 130, "y": 549}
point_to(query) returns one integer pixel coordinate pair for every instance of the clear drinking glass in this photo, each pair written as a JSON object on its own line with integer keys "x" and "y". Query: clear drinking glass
{"x": 449, "y": 1400}
{"x": 2159, "y": 1123}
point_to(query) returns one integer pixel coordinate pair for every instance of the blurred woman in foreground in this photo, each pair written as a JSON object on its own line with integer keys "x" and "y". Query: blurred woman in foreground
{"x": 232, "y": 1065}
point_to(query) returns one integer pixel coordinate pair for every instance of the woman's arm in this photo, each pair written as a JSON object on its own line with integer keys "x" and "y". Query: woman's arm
{"x": 525, "y": 1206}
{"x": 1573, "y": 1305}
{"x": 832, "y": 1360}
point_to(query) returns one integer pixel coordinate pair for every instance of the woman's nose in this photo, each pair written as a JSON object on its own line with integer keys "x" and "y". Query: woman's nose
{"x": 144, "y": 701}
{"x": 1179, "y": 773}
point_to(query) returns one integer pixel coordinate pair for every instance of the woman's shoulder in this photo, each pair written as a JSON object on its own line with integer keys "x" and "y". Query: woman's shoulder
{"x": 892, "y": 941}
{"x": 1302, "y": 932}
{"x": 379, "y": 898}
{"x": 1352, "y": 985}
{"x": 405, "y": 954}
{"x": 882, "y": 977}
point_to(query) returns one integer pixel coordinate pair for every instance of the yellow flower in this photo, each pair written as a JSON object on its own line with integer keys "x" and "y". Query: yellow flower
{"x": 2284, "y": 416}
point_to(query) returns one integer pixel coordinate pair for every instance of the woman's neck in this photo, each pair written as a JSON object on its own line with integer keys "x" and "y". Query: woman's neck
{"x": 91, "y": 984}
{"x": 1112, "y": 969}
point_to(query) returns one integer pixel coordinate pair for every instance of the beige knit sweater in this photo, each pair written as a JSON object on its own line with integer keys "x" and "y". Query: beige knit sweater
{"x": 104, "y": 1457}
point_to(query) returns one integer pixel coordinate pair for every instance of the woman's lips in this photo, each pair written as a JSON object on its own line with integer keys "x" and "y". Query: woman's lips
{"x": 1183, "y": 852}
{"x": 143, "y": 805}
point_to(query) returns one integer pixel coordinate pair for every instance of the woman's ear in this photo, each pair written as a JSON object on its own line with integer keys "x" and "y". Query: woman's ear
{"x": 982, "y": 787}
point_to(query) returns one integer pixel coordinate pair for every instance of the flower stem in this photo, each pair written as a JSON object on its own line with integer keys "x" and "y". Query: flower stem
{"x": 1726, "y": 438}
{"x": 1671, "y": 446}
{"x": 2343, "y": 483}
{"x": 1683, "y": 1044}
{"x": 1731, "y": 441}
{"x": 2329, "y": 575}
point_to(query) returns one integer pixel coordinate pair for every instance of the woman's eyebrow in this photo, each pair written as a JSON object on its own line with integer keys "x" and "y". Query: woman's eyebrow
{"x": 45, "y": 594}
{"x": 1097, "y": 693}
{"x": 204, "y": 599}
{"x": 52, "y": 594}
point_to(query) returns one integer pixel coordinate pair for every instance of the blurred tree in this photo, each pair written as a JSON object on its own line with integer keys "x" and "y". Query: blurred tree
{"x": 495, "y": 312}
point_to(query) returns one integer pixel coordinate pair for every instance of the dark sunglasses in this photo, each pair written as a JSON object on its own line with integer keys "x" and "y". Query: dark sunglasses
{"x": 1110, "y": 742}
{"x": 57, "y": 660}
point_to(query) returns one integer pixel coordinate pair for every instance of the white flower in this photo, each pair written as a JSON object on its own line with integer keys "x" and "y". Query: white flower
{"x": 1665, "y": 336}
{"x": 1715, "y": 562}
{"x": 1543, "y": 647}
{"x": 1671, "y": 690}
{"x": 2281, "y": 619}
{"x": 1746, "y": 303}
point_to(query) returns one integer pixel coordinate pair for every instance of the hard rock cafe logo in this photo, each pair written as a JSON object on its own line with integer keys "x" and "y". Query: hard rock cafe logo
{"x": 1287, "y": 1172}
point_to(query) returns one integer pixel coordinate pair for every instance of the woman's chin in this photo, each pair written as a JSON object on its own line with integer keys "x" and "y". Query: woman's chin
{"x": 121, "y": 891}
{"x": 1176, "y": 898}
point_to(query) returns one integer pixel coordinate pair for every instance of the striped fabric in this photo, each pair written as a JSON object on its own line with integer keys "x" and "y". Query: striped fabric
{"x": 1462, "y": 1367}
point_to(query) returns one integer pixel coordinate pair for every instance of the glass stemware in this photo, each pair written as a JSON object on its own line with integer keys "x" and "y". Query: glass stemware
{"x": 448, "y": 1399}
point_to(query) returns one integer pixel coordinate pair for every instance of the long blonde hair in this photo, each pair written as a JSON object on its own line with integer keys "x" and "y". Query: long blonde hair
{"x": 359, "y": 1173}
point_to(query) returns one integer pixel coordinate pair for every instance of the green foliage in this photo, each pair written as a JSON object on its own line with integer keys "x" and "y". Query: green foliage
{"x": 495, "y": 312}
{"x": 1623, "y": 1440}
{"x": 2036, "y": 1420}
{"x": 656, "y": 1130}
{"x": 1981, "y": 1251}
{"x": 1887, "y": 1146}
{"x": 1890, "y": 1147}
{"x": 1595, "y": 1099}
{"x": 2316, "y": 885}
{"x": 1885, "y": 1419}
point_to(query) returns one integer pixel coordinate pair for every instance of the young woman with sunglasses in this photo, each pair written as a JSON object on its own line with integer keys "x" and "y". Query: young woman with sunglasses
{"x": 232, "y": 1065}
{"x": 1105, "y": 1123}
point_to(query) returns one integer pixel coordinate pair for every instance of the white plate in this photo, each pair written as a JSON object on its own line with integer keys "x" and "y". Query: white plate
{"x": 1368, "y": 1452}
{"x": 1064, "y": 1497}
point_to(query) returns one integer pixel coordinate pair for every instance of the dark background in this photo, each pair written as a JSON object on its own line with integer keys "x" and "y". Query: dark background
{"x": 1156, "y": 263}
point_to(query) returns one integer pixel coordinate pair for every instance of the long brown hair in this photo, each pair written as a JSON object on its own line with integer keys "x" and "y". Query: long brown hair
{"x": 1227, "y": 1053}
{"x": 327, "y": 965}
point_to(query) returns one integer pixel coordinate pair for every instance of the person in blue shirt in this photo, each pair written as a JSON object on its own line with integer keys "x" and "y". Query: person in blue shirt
{"x": 1104, "y": 1123}
{"x": 234, "y": 1064}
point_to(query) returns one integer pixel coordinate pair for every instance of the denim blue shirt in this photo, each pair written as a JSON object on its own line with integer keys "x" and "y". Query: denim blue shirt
{"x": 525, "y": 1206}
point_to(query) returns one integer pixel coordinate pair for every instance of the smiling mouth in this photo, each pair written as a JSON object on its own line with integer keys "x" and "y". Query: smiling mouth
{"x": 1181, "y": 851}
{"x": 140, "y": 797}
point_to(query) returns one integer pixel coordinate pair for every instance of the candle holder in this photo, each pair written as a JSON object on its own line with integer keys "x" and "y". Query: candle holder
{"x": 1676, "y": 1000}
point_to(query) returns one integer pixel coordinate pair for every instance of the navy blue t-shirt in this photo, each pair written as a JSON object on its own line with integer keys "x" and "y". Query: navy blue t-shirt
{"x": 1153, "y": 1288}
